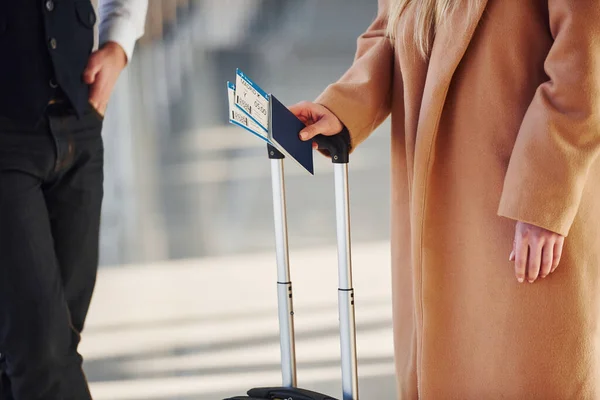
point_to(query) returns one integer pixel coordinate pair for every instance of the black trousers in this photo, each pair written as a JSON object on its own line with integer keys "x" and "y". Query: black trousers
{"x": 51, "y": 189}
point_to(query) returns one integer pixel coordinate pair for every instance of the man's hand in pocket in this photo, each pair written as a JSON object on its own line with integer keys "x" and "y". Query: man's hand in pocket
{"x": 103, "y": 70}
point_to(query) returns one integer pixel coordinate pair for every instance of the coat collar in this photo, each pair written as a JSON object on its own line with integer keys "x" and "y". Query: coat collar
{"x": 451, "y": 42}
{"x": 449, "y": 47}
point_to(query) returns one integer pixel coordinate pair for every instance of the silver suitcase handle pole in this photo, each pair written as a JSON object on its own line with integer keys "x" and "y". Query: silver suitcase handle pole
{"x": 284, "y": 282}
{"x": 338, "y": 147}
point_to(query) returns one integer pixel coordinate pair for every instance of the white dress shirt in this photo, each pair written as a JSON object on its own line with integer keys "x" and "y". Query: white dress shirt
{"x": 123, "y": 22}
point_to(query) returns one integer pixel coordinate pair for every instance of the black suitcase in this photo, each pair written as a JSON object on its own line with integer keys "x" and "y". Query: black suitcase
{"x": 338, "y": 148}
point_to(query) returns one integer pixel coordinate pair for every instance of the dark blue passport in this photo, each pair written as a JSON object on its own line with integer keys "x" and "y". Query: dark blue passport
{"x": 284, "y": 128}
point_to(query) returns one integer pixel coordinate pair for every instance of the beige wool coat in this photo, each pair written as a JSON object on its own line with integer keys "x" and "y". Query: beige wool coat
{"x": 502, "y": 123}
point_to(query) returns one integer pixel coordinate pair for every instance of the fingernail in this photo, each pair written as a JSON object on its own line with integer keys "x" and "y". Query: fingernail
{"x": 510, "y": 257}
{"x": 531, "y": 280}
{"x": 521, "y": 280}
{"x": 303, "y": 135}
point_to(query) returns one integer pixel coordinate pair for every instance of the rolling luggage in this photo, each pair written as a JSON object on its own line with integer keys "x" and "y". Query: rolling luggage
{"x": 337, "y": 147}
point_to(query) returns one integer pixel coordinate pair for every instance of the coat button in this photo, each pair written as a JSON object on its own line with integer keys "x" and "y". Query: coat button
{"x": 92, "y": 18}
{"x": 53, "y": 44}
{"x": 50, "y": 5}
{"x": 53, "y": 84}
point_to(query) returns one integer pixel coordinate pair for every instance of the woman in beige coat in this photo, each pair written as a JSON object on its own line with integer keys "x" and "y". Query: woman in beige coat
{"x": 495, "y": 109}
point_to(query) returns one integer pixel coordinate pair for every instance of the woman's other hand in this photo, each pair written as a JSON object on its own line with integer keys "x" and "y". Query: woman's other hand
{"x": 536, "y": 252}
{"x": 319, "y": 120}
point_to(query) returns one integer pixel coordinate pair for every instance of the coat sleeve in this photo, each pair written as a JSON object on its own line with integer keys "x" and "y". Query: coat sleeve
{"x": 559, "y": 138}
{"x": 361, "y": 98}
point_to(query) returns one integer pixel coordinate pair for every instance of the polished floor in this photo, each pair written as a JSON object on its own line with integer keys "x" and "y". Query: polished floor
{"x": 203, "y": 329}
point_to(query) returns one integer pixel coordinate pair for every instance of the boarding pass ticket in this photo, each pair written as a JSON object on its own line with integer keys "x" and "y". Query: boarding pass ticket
{"x": 252, "y": 99}
{"x": 239, "y": 118}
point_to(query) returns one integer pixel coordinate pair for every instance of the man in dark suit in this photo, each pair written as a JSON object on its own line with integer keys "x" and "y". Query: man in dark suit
{"x": 54, "y": 89}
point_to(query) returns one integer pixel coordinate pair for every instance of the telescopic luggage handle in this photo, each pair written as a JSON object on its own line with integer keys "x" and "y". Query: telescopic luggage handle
{"x": 338, "y": 148}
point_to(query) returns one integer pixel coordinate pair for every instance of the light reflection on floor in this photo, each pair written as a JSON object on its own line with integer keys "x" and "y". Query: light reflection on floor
{"x": 196, "y": 329}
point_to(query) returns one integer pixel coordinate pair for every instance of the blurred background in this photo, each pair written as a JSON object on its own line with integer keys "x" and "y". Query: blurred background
{"x": 185, "y": 306}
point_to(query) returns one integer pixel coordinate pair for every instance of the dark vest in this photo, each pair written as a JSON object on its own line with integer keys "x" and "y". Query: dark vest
{"x": 44, "y": 49}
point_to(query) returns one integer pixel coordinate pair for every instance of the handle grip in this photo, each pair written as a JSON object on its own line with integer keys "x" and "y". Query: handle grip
{"x": 274, "y": 154}
{"x": 338, "y": 146}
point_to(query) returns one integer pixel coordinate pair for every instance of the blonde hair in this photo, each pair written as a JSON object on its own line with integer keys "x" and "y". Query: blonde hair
{"x": 428, "y": 15}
